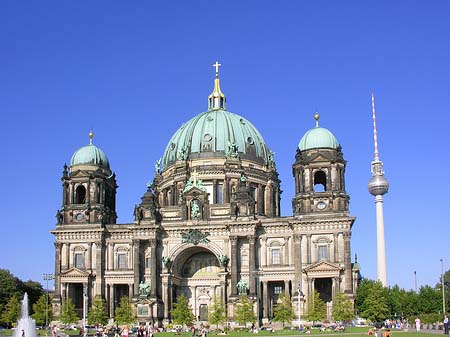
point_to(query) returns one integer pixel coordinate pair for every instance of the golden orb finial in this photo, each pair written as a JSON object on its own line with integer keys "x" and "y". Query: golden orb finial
{"x": 91, "y": 136}
{"x": 317, "y": 117}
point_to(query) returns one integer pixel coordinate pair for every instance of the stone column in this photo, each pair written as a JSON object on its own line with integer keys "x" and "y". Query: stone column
{"x": 66, "y": 295}
{"x": 333, "y": 288}
{"x": 286, "y": 289}
{"x": 335, "y": 245}
{"x": 99, "y": 269}
{"x": 72, "y": 193}
{"x": 67, "y": 255}
{"x": 226, "y": 190}
{"x": 111, "y": 256}
{"x": 154, "y": 268}
{"x": 298, "y": 259}
{"x": 308, "y": 248}
{"x": 251, "y": 264}
{"x": 347, "y": 264}
{"x": 136, "y": 265}
{"x": 112, "y": 295}
{"x": 286, "y": 251}
{"x": 213, "y": 197}
{"x": 89, "y": 256}
{"x": 58, "y": 247}
{"x": 265, "y": 301}
{"x": 234, "y": 262}
{"x": 165, "y": 294}
{"x": 264, "y": 251}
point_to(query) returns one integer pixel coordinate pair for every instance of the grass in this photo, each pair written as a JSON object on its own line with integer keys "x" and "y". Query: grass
{"x": 349, "y": 332}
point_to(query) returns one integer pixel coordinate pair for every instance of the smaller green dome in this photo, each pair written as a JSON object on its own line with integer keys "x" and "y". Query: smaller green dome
{"x": 318, "y": 138}
{"x": 90, "y": 155}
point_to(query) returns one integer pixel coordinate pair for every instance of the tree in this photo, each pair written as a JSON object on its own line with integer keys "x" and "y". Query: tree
{"x": 217, "y": 314}
{"x": 316, "y": 310}
{"x": 68, "y": 313}
{"x": 11, "y": 311}
{"x": 364, "y": 290}
{"x": 124, "y": 313}
{"x": 376, "y": 303}
{"x": 39, "y": 309}
{"x": 342, "y": 308}
{"x": 9, "y": 286}
{"x": 33, "y": 289}
{"x": 182, "y": 312}
{"x": 97, "y": 313}
{"x": 243, "y": 311}
{"x": 283, "y": 311}
{"x": 430, "y": 300}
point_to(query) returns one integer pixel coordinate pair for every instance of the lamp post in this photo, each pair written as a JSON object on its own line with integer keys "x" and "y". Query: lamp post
{"x": 442, "y": 282}
{"x": 47, "y": 277}
{"x": 415, "y": 281}
{"x": 84, "y": 308}
{"x": 299, "y": 304}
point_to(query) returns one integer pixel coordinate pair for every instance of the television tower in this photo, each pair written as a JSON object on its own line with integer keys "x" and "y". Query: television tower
{"x": 378, "y": 186}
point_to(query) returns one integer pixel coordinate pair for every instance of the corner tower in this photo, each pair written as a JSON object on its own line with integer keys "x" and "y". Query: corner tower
{"x": 89, "y": 189}
{"x": 319, "y": 172}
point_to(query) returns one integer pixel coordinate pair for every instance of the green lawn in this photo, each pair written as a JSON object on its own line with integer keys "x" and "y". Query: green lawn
{"x": 349, "y": 332}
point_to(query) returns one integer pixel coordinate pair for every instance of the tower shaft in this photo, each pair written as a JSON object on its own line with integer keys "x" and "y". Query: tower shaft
{"x": 381, "y": 246}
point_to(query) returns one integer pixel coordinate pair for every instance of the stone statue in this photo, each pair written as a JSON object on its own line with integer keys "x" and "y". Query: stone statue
{"x": 194, "y": 236}
{"x": 243, "y": 179}
{"x": 195, "y": 210}
{"x": 188, "y": 186}
{"x": 138, "y": 214}
{"x": 242, "y": 287}
{"x": 271, "y": 160}
{"x": 166, "y": 261}
{"x": 144, "y": 289}
{"x": 59, "y": 217}
{"x": 232, "y": 150}
{"x": 158, "y": 166}
{"x": 223, "y": 260}
{"x": 182, "y": 153}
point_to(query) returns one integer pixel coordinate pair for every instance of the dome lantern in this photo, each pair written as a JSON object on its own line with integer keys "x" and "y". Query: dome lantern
{"x": 217, "y": 99}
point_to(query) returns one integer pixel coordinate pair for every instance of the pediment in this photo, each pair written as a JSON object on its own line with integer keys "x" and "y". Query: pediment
{"x": 323, "y": 267}
{"x": 320, "y": 157}
{"x": 195, "y": 191}
{"x": 75, "y": 272}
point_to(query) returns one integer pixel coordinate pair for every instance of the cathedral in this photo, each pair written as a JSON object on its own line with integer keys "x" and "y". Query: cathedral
{"x": 209, "y": 225}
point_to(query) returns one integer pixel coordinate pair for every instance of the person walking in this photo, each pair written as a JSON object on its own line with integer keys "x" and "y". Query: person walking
{"x": 446, "y": 323}
{"x": 417, "y": 324}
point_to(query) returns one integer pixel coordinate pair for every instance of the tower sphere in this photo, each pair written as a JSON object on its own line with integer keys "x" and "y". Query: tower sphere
{"x": 378, "y": 185}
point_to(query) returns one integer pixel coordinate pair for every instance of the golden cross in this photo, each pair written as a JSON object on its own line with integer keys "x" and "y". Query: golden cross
{"x": 194, "y": 175}
{"x": 217, "y": 65}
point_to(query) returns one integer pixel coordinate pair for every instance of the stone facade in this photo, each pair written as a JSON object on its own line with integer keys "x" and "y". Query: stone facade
{"x": 209, "y": 226}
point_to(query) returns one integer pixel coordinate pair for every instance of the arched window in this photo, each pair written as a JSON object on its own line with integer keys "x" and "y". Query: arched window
{"x": 320, "y": 181}
{"x": 78, "y": 257}
{"x": 275, "y": 253}
{"x": 80, "y": 195}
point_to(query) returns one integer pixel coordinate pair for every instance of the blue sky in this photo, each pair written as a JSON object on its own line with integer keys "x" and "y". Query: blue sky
{"x": 133, "y": 72}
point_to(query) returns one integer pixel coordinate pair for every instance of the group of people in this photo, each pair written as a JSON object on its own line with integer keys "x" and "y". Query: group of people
{"x": 202, "y": 331}
{"x": 145, "y": 331}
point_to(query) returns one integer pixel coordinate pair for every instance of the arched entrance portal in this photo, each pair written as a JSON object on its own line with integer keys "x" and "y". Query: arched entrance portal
{"x": 197, "y": 275}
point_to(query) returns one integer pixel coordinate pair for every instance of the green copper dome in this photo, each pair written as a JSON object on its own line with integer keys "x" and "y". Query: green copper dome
{"x": 317, "y": 138}
{"x": 90, "y": 154}
{"x": 216, "y": 133}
